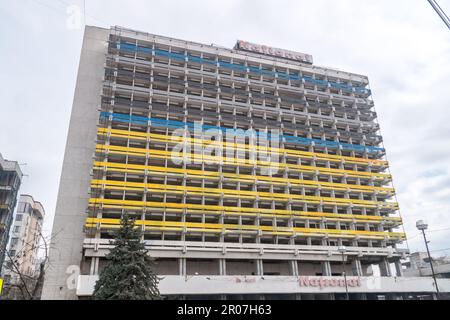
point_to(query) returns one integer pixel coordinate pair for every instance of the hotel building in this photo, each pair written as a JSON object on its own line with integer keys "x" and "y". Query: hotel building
{"x": 292, "y": 192}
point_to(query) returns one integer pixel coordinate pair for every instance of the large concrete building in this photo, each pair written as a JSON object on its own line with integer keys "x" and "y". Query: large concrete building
{"x": 10, "y": 179}
{"x": 24, "y": 244}
{"x": 253, "y": 173}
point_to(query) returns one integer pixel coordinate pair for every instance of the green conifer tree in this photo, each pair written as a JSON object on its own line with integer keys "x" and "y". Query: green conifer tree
{"x": 128, "y": 274}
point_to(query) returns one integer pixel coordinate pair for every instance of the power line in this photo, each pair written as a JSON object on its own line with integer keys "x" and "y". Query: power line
{"x": 448, "y": 228}
{"x": 440, "y": 12}
{"x": 85, "y": 12}
{"x": 434, "y": 230}
{"x": 59, "y": 10}
{"x": 445, "y": 249}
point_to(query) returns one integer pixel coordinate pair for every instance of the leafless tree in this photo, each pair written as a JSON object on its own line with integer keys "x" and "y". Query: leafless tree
{"x": 26, "y": 286}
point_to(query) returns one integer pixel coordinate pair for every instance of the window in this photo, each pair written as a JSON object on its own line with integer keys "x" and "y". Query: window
{"x": 21, "y": 207}
{"x": 14, "y": 241}
{"x": 19, "y": 217}
{"x": 12, "y": 253}
{"x": 17, "y": 229}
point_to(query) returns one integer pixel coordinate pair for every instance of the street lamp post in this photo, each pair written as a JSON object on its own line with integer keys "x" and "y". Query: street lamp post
{"x": 422, "y": 226}
{"x": 342, "y": 250}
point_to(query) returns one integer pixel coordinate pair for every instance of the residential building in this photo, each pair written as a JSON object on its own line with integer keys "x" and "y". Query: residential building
{"x": 10, "y": 179}
{"x": 24, "y": 246}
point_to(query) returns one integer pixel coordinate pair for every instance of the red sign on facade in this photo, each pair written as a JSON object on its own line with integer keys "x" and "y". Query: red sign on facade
{"x": 322, "y": 282}
{"x": 287, "y": 54}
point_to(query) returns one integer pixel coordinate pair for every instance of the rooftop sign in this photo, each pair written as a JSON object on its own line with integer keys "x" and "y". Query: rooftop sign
{"x": 292, "y": 55}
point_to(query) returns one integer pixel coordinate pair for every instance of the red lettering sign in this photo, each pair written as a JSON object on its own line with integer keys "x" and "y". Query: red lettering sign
{"x": 244, "y": 45}
{"x": 305, "y": 281}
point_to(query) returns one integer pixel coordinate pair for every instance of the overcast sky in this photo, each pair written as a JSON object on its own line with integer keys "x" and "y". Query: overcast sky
{"x": 401, "y": 45}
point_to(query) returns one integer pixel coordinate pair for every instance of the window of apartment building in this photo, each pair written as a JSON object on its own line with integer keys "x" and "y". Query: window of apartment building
{"x": 14, "y": 241}
{"x": 19, "y": 217}
{"x": 17, "y": 229}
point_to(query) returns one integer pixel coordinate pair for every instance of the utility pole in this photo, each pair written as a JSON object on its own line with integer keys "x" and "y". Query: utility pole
{"x": 422, "y": 226}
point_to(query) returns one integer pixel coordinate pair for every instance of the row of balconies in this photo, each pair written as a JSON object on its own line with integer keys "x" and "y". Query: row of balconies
{"x": 243, "y": 93}
{"x": 240, "y": 82}
{"x": 242, "y": 109}
{"x": 298, "y": 112}
{"x": 360, "y": 103}
{"x": 213, "y": 53}
{"x": 229, "y": 68}
{"x": 289, "y": 166}
{"x": 228, "y": 120}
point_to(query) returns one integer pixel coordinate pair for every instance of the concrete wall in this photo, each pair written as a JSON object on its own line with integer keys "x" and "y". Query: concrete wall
{"x": 279, "y": 284}
{"x": 67, "y": 233}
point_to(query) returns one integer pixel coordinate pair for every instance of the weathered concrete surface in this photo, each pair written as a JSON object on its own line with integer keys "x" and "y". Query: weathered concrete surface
{"x": 67, "y": 233}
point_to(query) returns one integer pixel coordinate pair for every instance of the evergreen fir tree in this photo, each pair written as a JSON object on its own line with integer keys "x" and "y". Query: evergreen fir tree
{"x": 128, "y": 274}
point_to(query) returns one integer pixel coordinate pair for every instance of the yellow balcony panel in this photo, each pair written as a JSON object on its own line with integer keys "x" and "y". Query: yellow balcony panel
{"x": 213, "y": 192}
{"x": 129, "y": 204}
{"x": 142, "y": 136}
{"x": 213, "y": 226}
{"x": 162, "y": 154}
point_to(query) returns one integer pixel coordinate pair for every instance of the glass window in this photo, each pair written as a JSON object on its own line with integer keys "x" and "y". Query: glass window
{"x": 19, "y": 217}
{"x": 21, "y": 207}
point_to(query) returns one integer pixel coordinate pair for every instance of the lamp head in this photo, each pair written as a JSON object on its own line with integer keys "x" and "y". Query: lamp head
{"x": 421, "y": 225}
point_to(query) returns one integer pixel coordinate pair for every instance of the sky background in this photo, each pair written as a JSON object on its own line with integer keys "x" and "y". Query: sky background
{"x": 401, "y": 45}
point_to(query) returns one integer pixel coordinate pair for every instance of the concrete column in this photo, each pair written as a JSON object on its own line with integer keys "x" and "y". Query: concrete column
{"x": 222, "y": 267}
{"x": 293, "y": 267}
{"x": 182, "y": 265}
{"x": 398, "y": 268}
{"x": 93, "y": 265}
{"x": 259, "y": 267}
{"x": 385, "y": 269}
{"x": 326, "y": 268}
{"x": 357, "y": 268}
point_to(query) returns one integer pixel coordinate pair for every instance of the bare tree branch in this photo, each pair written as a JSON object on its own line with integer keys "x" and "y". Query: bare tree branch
{"x": 29, "y": 286}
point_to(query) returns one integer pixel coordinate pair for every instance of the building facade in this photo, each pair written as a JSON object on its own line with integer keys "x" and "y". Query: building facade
{"x": 24, "y": 244}
{"x": 419, "y": 265}
{"x": 10, "y": 179}
{"x": 251, "y": 171}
